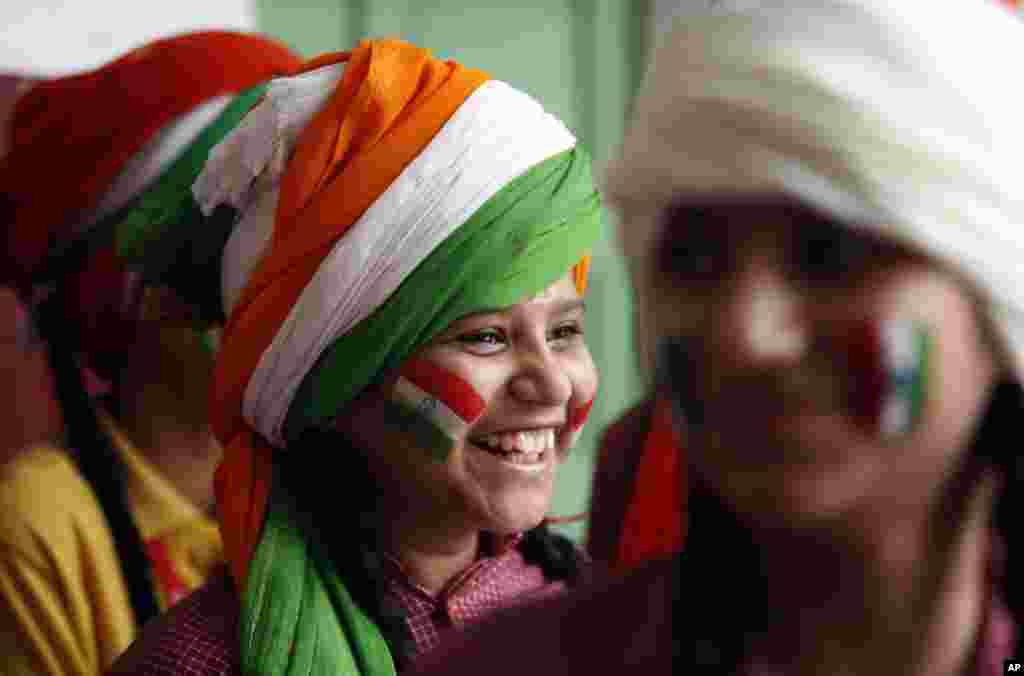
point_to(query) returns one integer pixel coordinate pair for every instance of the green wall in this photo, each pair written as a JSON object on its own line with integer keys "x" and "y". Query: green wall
{"x": 581, "y": 59}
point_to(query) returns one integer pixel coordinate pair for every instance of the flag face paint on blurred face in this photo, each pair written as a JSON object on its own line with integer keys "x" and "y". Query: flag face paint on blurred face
{"x": 577, "y": 418}
{"x": 908, "y": 347}
{"x": 436, "y": 406}
{"x": 890, "y": 363}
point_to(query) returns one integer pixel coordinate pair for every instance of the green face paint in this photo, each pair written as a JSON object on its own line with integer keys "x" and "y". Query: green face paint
{"x": 907, "y": 354}
{"x": 890, "y": 362}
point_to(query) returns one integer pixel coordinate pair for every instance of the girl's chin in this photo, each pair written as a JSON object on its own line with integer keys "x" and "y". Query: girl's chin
{"x": 508, "y": 515}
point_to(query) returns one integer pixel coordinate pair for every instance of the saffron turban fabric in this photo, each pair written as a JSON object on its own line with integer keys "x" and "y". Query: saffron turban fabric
{"x": 378, "y": 195}
{"x": 83, "y": 147}
{"x": 900, "y": 118}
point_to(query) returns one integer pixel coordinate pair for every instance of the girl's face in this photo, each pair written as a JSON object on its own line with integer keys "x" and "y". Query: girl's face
{"x": 827, "y": 370}
{"x": 533, "y": 373}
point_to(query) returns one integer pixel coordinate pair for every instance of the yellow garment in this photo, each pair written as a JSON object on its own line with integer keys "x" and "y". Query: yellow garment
{"x": 64, "y": 608}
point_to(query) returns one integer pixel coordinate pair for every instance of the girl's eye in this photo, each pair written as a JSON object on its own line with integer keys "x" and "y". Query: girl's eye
{"x": 694, "y": 249}
{"x": 831, "y": 254}
{"x": 564, "y": 335}
{"x": 484, "y": 342}
{"x": 824, "y": 252}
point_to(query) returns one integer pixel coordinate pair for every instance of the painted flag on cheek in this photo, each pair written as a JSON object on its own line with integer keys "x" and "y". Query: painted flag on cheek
{"x": 577, "y": 419}
{"x": 434, "y": 406}
{"x": 890, "y": 364}
{"x": 907, "y": 363}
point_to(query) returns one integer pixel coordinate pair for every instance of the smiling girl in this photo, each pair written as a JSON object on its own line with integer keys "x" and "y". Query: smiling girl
{"x": 402, "y": 247}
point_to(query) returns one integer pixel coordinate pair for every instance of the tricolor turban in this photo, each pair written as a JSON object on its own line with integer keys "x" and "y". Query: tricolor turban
{"x": 81, "y": 149}
{"x": 902, "y": 118}
{"x": 375, "y": 197}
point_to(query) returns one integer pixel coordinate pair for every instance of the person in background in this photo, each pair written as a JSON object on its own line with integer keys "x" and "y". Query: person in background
{"x": 105, "y": 527}
{"x": 27, "y": 399}
{"x": 821, "y": 208}
{"x": 403, "y": 368}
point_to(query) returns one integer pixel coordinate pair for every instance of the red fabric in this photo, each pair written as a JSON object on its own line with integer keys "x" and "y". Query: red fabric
{"x": 456, "y": 393}
{"x": 614, "y": 481}
{"x": 171, "y": 585}
{"x": 71, "y": 136}
{"x": 655, "y": 521}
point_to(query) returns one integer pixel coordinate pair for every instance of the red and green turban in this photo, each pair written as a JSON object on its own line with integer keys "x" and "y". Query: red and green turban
{"x": 82, "y": 148}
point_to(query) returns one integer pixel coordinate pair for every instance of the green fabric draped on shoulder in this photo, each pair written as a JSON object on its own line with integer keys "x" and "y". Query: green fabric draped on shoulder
{"x": 298, "y": 618}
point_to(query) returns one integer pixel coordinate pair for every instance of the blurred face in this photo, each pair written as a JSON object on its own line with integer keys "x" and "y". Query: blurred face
{"x": 28, "y": 403}
{"x": 533, "y": 373}
{"x": 823, "y": 370}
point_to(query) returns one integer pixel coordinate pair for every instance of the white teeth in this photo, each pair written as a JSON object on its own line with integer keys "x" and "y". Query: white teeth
{"x": 529, "y": 443}
{"x": 523, "y": 458}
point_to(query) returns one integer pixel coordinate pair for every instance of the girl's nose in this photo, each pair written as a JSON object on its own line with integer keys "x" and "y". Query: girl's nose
{"x": 764, "y": 318}
{"x": 541, "y": 379}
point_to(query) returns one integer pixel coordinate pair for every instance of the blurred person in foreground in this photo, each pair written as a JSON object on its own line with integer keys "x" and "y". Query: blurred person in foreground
{"x": 822, "y": 211}
{"x": 110, "y": 523}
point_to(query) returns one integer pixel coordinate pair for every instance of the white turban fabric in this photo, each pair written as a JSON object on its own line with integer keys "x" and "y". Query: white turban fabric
{"x": 899, "y": 116}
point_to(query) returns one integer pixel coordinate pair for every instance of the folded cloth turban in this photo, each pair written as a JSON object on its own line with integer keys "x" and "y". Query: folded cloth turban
{"x": 82, "y": 148}
{"x": 373, "y": 198}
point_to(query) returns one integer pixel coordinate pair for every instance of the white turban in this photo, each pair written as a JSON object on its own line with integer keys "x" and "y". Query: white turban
{"x": 902, "y": 116}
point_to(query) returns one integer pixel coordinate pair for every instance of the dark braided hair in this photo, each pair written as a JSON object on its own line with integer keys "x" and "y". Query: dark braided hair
{"x": 355, "y": 552}
{"x": 97, "y": 459}
{"x": 720, "y": 547}
{"x": 555, "y": 554}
